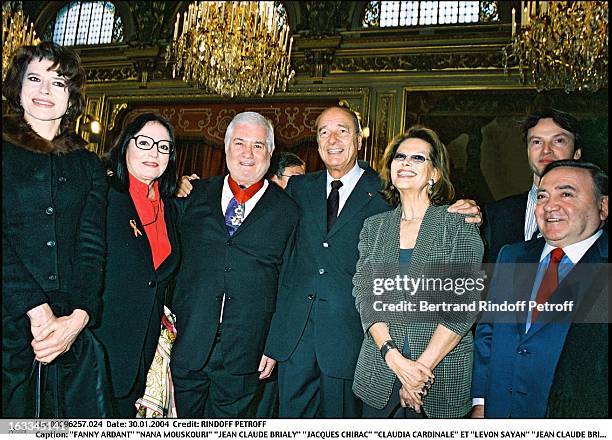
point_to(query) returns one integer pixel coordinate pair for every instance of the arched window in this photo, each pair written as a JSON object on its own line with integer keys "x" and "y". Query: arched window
{"x": 423, "y": 13}
{"x": 85, "y": 23}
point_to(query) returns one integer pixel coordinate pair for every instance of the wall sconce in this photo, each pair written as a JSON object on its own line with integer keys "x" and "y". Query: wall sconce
{"x": 89, "y": 127}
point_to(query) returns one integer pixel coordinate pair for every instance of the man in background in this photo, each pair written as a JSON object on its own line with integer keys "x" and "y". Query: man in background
{"x": 284, "y": 166}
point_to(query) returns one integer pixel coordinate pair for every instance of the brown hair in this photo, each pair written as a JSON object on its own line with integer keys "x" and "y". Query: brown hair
{"x": 442, "y": 191}
{"x": 67, "y": 63}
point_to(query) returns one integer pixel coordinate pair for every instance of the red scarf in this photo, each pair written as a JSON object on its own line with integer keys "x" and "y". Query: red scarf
{"x": 243, "y": 194}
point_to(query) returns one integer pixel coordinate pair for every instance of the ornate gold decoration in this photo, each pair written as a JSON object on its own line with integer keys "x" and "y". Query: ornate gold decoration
{"x": 114, "y": 113}
{"x": 561, "y": 44}
{"x": 232, "y": 48}
{"x": 17, "y": 31}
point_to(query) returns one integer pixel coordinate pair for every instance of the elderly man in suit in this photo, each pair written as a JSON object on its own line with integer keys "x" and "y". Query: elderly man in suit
{"x": 517, "y": 352}
{"x": 316, "y": 332}
{"x": 235, "y": 234}
{"x": 549, "y": 135}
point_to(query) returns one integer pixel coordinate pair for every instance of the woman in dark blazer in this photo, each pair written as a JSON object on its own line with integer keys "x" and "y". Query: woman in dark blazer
{"x": 411, "y": 361}
{"x": 53, "y": 204}
{"x": 142, "y": 253}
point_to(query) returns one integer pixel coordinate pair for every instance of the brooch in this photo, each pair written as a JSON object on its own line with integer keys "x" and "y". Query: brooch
{"x": 135, "y": 228}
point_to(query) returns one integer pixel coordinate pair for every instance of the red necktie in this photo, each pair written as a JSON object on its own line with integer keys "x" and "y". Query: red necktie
{"x": 550, "y": 280}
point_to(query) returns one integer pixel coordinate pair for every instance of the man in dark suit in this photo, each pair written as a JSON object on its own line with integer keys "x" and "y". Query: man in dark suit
{"x": 316, "y": 332}
{"x": 549, "y": 135}
{"x": 517, "y": 352}
{"x": 235, "y": 233}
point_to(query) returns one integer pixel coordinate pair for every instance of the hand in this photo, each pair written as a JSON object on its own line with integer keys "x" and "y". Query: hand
{"x": 411, "y": 399}
{"x": 58, "y": 335}
{"x": 477, "y": 412}
{"x": 266, "y": 365}
{"x": 412, "y": 374}
{"x": 185, "y": 185}
{"x": 469, "y": 208}
{"x": 39, "y": 317}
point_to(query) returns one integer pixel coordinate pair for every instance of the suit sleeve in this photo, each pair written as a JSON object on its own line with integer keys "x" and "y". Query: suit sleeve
{"x": 363, "y": 282}
{"x": 484, "y": 334}
{"x": 465, "y": 262}
{"x": 90, "y": 256}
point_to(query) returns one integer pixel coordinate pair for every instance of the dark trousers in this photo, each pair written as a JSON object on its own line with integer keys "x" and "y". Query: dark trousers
{"x": 213, "y": 392}
{"x": 307, "y": 392}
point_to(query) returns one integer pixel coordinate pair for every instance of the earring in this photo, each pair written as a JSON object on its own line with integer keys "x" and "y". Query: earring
{"x": 430, "y": 183}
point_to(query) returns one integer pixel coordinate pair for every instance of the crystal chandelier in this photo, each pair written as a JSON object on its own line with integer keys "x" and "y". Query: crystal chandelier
{"x": 232, "y": 48}
{"x": 561, "y": 44}
{"x": 17, "y": 31}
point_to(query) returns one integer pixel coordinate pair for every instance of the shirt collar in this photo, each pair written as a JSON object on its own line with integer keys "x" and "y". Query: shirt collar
{"x": 140, "y": 189}
{"x": 352, "y": 176}
{"x": 574, "y": 251}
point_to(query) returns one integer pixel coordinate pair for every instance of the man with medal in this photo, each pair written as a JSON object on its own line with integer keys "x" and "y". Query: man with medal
{"x": 236, "y": 232}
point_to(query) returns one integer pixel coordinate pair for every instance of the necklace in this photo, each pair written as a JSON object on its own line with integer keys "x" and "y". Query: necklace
{"x": 404, "y": 219}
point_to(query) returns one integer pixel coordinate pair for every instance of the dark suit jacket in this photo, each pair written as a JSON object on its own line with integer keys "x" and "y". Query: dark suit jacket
{"x": 322, "y": 269}
{"x": 504, "y": 223}
{"x": 244, "y": 267}
{"x": 514, "y": 370}
{"x": 134, "y": 291}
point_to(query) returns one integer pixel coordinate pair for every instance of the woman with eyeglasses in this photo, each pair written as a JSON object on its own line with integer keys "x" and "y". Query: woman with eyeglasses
{"x": 415, "y": 363}
{"x": 142, "y": 253}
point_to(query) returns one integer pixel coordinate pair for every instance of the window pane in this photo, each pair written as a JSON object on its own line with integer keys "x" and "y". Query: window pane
{"x": 95, "y": 21}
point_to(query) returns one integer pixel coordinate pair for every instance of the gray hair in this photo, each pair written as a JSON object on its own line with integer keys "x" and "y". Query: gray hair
{"x": 251, "y": 118}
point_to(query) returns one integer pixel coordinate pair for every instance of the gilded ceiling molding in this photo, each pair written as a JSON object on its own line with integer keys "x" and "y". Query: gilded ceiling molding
{"x": 117, "y": 108}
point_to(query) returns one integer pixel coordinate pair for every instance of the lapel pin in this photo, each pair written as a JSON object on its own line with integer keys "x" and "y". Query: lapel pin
{"x": 370, "y": 194}
{"x": 135, "y": 228}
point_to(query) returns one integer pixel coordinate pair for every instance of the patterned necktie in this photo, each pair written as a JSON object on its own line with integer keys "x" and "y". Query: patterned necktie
{"x": 549, "y": 282}
{"x": 233, "y": 216}
{"x": 333, "y": 202}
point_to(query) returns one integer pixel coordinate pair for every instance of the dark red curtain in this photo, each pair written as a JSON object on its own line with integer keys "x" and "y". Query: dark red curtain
{"x": 196, "y": 156}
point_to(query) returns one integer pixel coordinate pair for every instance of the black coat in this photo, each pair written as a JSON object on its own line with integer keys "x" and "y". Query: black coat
{"x": 244, "y": 267}
{"x": 53, "y": 244}
{"x": 321, "y": 269}
{"x": 134, "y": 292}
{"x": 504, "y": 223}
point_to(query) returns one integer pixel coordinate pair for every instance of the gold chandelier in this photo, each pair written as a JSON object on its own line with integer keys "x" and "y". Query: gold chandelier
{"x": 232, "y": 48}
{"x": 17, "y": 31}
{"x": 561, "y": 44}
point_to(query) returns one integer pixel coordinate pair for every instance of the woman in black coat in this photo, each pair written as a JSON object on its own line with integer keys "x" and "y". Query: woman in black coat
{"x": 142, "y": 253}
{"x": 53, "y": 204}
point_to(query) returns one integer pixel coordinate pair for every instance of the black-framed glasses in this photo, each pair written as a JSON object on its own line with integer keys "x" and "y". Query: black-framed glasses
{"x": 417, "y": 159}
{"x": 146, "y": 143}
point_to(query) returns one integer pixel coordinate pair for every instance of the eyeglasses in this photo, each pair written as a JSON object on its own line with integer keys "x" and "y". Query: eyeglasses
{"x": 146, "y": 143}
{"x": 416, "y": 159}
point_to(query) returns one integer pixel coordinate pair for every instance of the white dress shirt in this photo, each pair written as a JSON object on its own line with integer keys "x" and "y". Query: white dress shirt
{"x": 349, "y": 181}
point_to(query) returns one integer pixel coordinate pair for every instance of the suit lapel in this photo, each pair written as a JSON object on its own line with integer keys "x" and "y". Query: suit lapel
{"x": 575, "y": 286}
{"x": 267, "y": 199}
{"x": 215, "y": 193}
{"x": 318, "y": 201}
{"x": 525, "y": 273}
{"x": 140, "y": 239}
{"x": 361, "y": 195}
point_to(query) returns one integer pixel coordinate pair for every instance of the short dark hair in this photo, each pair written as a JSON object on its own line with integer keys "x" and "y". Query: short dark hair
{"x": 116, "y": 161}
{"x": 67, "y": 63}
{"x": 600, "y": 178}
{"x": 443, "y": 190}
{"x": 562, "y": 119}
{"x": 356, "y": 123}
{"x": 283, "y": 160}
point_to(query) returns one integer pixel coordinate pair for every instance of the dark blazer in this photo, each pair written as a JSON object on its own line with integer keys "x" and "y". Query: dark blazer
{"x": 504, "y": 223}
{"x": 244, "y": 267}
{"x": 444, "y": 239}
{"x": 134, "y": 291}
{"x": 322, "y": 269}
{"x": 514, "y": 370}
